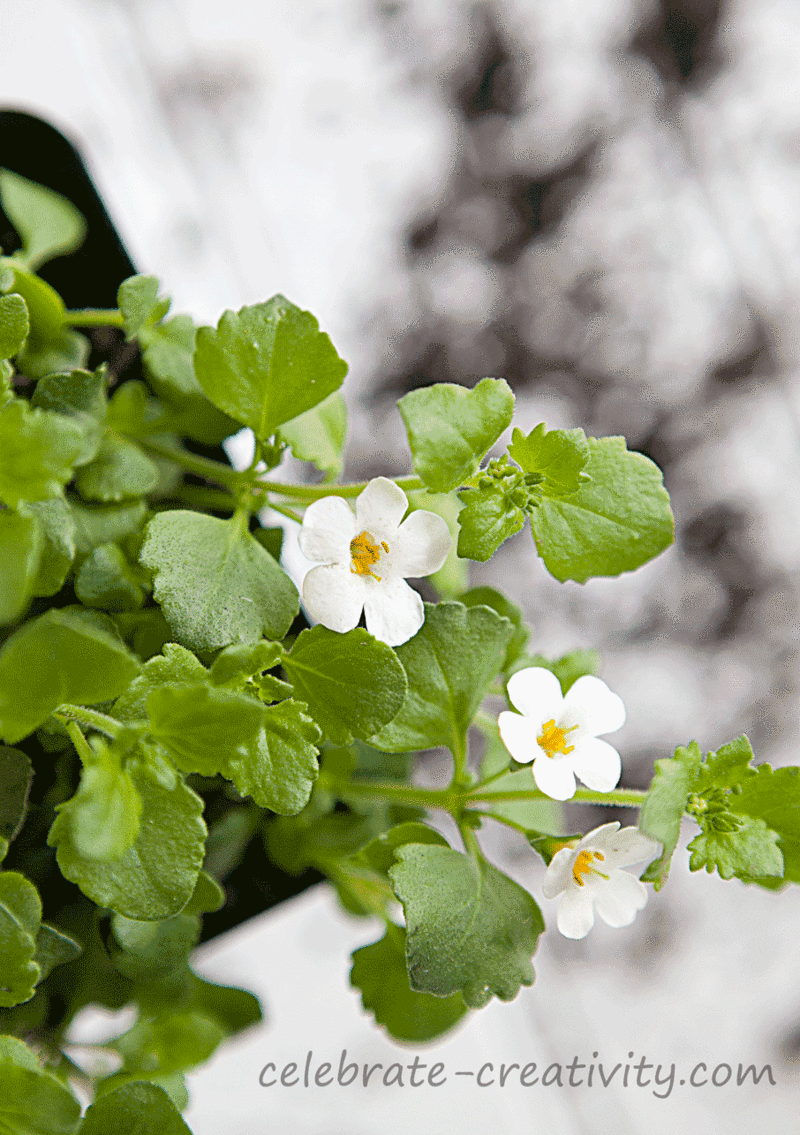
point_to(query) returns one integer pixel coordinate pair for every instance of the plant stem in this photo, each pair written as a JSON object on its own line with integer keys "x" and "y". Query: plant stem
{"x": 89, "y": 717}
{"x": 399, "y": 793}
{"x": 456, "y": 797}
{"x": 309, "y": 493}
{"x": 194, "y": 463}
{"x": 284, "y": 511}
{"x": 618, "y": 797}
{"x": 79, "y": 741}
{"x": 471, "y": 844}
{"x": 215, "y": 500}
{"x": 94, "y": 317}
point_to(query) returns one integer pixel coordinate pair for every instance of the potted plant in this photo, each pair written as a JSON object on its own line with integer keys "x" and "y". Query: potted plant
{"x": 183, "y": 746}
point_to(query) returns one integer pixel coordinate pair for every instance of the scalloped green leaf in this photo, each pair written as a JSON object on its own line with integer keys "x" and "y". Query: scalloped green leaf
{"x": 379, "y": 973}
{"x": 48, "y": 223}
{"x": 215, "y": 583}
{"x": 614, "y": 523}
{"x": 558, "y": 457}
{"x": 14, "y": 325}
{"x": 37, "y": 452}
{"x": 267, "y": 364}
{"x": 20, "y": 916}
{"x": 450, "y": 664}
{"x": 319, "y": 435}
{"x": 138, "y": 1108}
{"x": 471, "y": 930}
{"x": 205, "y": 728}
{"x": 450, "y": 428}
{"x": 664, "y": 805}
{"x": 281, "y": 773}
{"x": 33, "y": 1101}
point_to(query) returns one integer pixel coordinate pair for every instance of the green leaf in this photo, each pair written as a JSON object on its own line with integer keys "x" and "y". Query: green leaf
{"x": 54, "y": 948}
{"x": 266, "y": 364}
{"x": 664, "y": 805}
{"x": 204, "y": 728}
{"x": 235, "y": 664}
{"x": 46, "y": 309}
{"x": 103, "y": 524}
{"x": 65, "y": 350}
{"x": 154, "y": 951}
{"x": 615, "y": 523}
{"x": 33, "y": 1101}
{"x": 207, "y": 898}
{"x": 379, "y": 972}
{"x": 120, "y": 471}
{"x": 489, "y": 597}
{"x": 20, "y": 916}
{"x": 556, "y": 456}
{"x": 281, "y": 773}
{"x": 170, "y": 1042}
{"x": 319, "y": 435}
{"x": 215, "y": 583}
{"x": 48, "y": 224}
{"x": 352, "y": 683}
{"x": 157, "y": 876}
{"x": 81, "y": 396}
{"x": 176, "y": 664}
{"x": 38, "y": 668}
{"x": 773, "y": 795}
{"x": 451, "y": 428}
{"x": 21, "y": 541}
{"x": 58, "y": 543}
{"x": 104, "y": 813}
{"x": 470, "y": 928}
{"x": 235, "y": 1009}
{"x": 450, "y": 664}
{"x": 16, "y": 775}
{"x": 139, "y": 303}
{"x": 381, "y": 853}
{"x": 728, "y": 767}
{"x": 489, "y": 517}
{"x": 106, "y": 580}
{"x": 14, "y": 325}
{"x": 37, "y": 452}
{"x": 137, "y": 1108}
{"x": 749, "y": 851}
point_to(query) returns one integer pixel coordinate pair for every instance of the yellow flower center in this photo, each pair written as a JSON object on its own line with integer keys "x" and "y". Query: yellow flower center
{"x": 553, "y": 738}
{"x": 366, "y": 552}
{"x": 583, "y": 865}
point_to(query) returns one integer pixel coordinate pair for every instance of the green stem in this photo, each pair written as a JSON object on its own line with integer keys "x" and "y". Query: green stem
{"x": 79, "y": 741}
{"x": 194, "y": 463}
{"x": 617, "y": 798}
{"x": 307, "y": 493}
{"x": 215, "y": 500}
{"x": 89, "y": 717}
{"x": 399, "y": 793}
{"x": 284, "y": 511}
{"x": 460, "y": 758}
{"x": 500, "y": 820}
{"x": 471, "y": 844}
{"x": 94, "y": 317}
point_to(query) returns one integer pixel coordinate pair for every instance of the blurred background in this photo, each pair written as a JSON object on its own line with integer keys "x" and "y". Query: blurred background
{"x": 598, "y": 200}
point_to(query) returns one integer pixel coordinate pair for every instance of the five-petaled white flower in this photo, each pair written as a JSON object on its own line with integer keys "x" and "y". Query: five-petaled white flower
{"x": 365, "y": 560}
{"x": 589, "y": 875}
{"x": 560, "y": 734}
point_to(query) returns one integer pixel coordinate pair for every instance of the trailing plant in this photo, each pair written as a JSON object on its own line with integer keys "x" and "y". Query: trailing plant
{"x": 167, "y": 696}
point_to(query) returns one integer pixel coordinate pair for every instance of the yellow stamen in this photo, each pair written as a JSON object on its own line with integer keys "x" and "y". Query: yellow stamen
{"x": 366, "y": 553}
{"x": 583, "y": 865}
{"x": 553, "y": 738}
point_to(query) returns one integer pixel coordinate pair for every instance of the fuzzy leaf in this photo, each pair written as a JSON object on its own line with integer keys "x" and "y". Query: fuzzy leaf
{"x": 471, "y": 929}
{"x": 451, "y": 428}
{"x": 37, "y": 451}
{"x": 665, "y": 804}
{"x": 266, "y": 364}
{"x": 119, "y": 471}
{"x": 489, "y": 518}
{"x": 281, "y": 773}
{"x": 33, "y": 1101}
{"x": 104, "y": 813}
{"x": 14, "y": 325}
{"x": 319, "y": 435}
{"x": 137, "y": 1108}
{"x": 20, "y": 916}
{"x": 450, "y": 664}
{"x": 615, "y": 523}
{"x": 352, "y": 683}
{"x": 204, "y": 728}
{"x": 749, "y": 852}
{"x": 557, "y": 456}
{"x": 21, "y": 541}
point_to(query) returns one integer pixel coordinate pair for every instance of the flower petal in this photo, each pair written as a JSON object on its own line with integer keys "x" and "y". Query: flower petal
{"x": 599, "y": 837}
{"x": 597, "y": 764}
{"x": 536, "y": 692}
{"x": 328, "y": 528}
{"x": 519, "y": 736}
{"x": 590, "y": 704}
{"x": 554, "y": 776}
{"x": 394, "y": 611}
{"x": 558, "y": 875}
{"x": 240, "y": 448}
{"x": 381, "y": 507}
{"x": 422, "y": 543}
{"x": 334, "y": 596}
{"x": 575, "y": 916}
{"x": 629, "y": 846}
{"x": 620, "y": 898}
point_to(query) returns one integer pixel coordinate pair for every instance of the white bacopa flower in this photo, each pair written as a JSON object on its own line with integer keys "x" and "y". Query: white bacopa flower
{"x": 560, "y": 734}
{"x": 365, "y": 560}
{"x": 589, "y": 875}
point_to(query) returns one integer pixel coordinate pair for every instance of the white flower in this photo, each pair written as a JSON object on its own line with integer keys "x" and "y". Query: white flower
{"x": 366, "y": 559}
{"x": 588, "y": 876}
{"x": 560, "y": 734}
